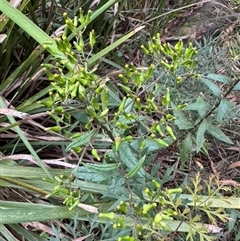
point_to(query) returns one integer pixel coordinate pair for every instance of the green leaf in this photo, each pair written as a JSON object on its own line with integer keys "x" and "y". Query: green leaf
{"x": 128, "y": 158}
{"x": 102, "y": 167}
{"x": 113, "y": 45}
{"x": 7, "y": 234}
{"x": 222, "y": 109}
{"x": 90, "y": 175}
{"x": 200, "y": 106}
{"x": 220, "y": 78}
{"x": 26, "y": 233}
{"x": 186, "y": 149}
{"x": 29, "y": 172}
{"x": 200, "y": 134}
{"x": 83, "y": 139}
{"x": 136, "y": 169}
{"x": 81, "y": 116}
{"x": 151, "y": 145}
{"x": 213, "y": 87}
{"x": 218, "y": 133}
{"x": 181, "y": 121}
{"x": 17, "y": 212}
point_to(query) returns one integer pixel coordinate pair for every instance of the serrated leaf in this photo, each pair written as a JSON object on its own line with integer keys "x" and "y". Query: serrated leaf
{"x": 200, "y": 106}
{"x": 83, "y": 139}
{"x": 186, "y": 149}
{"x": 222, "y": 109}
{"x": 128, "y": 158}
{"x": 220, "y": 78}
{"x": 93, "y": 175}
{"x": 213, "y": 87}
{"x": 134, "y": 171}
{"x": 218, "y": 133}
{"x": 101, "y": 167}
{"x": 200, "y": 134}
{"x": 181, "y": 121}
{"x": 129, "y": 105}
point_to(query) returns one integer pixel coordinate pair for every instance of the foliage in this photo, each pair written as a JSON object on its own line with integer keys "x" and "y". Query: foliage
{"x": 117, "y": 125}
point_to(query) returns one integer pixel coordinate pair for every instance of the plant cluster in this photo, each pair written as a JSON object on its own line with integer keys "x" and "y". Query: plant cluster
{"x": 137, "y": 115}
{"x": 117, "y": 126}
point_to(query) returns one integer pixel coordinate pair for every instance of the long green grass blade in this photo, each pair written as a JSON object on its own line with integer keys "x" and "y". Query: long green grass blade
{"x": 113, "y": 45}
{"x": 26, "y": 24}
{"x": 35, "y": 212}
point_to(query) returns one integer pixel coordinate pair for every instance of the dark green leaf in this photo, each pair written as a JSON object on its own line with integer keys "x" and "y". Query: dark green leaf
{"x": 151, "y": 145}
{"x": 136, "y": 168}
{"x": 218, "y": 133}
{"x": 101, "y": 167}
{"x": 186, "y": 149}
{"x": 83, "y": 139}
{"x": 222, "y": 109}
{"x": 200, "y": 134}
{"x": 91, "y": 175}
{"x": 128, "y": 158}
{"x": 81, "y": 116}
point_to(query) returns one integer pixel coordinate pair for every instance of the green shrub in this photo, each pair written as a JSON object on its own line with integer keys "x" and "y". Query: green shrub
{"x": 125, "y": 121}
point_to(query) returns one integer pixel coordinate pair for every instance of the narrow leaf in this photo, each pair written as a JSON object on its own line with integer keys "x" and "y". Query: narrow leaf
{"x": 200, "y": 134}
{"x": 38, "y": 213}
{"x": 222, "y": 109}
{"x": 128, "y": 158}
{"x": 101, "y": 167}
{"x": 220, "y": 78}
{"x": 113, "y": 45}
{"x": 213, "y": 87}
{"x": 136, "y": 169}
{"x": 186, "y": 149}
{"x": 82, "y": 140}
{"x": 218, "y": 133}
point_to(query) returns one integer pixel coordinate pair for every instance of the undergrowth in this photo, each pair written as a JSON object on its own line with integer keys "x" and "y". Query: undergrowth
{"x": 130, "y": 137}
{"x": 125, "y": 120}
